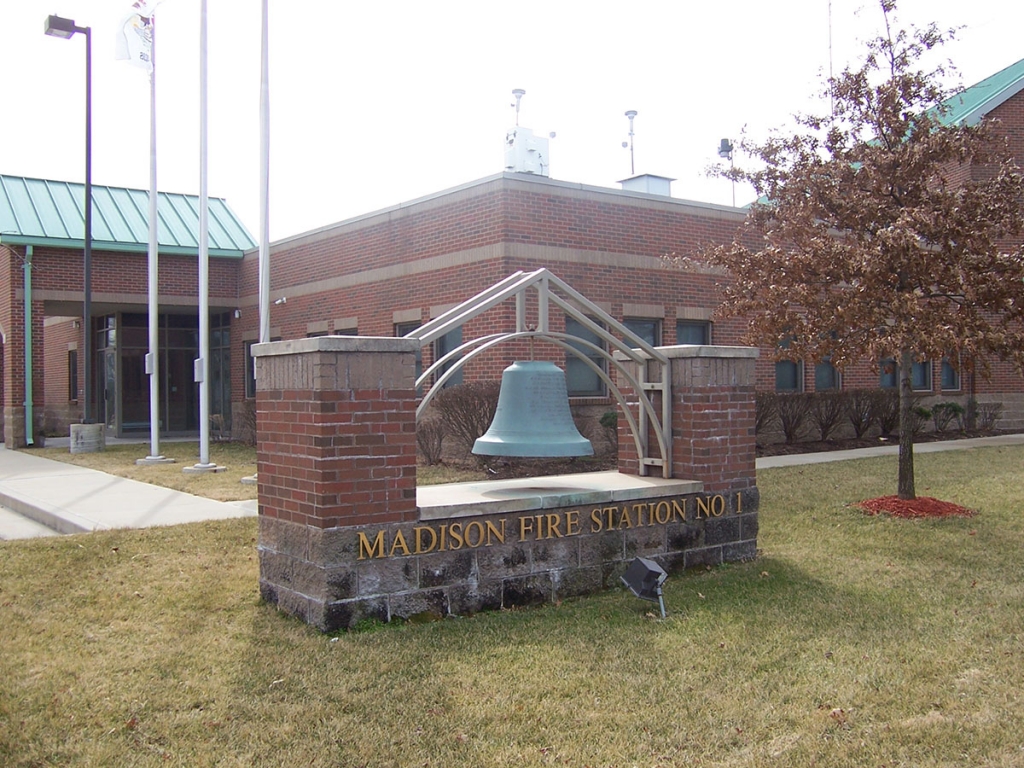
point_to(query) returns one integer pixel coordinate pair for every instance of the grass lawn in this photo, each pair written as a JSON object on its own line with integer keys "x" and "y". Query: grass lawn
{"x": 237, "y": 459}
{"x": 851, "y": 641}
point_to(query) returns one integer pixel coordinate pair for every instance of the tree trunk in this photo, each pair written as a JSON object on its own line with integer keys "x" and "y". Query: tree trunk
{"x": 905, "y": 483}
{"x": 971, "y": 421}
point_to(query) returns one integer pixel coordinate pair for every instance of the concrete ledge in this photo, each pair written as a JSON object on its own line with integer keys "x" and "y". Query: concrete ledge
{"x": 437, "y": 502}
{"x": 336, "y": 344}
{"x": 681, "y": 351}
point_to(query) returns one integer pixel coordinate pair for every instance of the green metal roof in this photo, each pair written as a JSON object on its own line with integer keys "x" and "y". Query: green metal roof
{"x": 972, "y": 104}
{"x": 47, "y": 212}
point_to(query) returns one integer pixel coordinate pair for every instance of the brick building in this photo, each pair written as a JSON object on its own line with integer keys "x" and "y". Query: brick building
{"x": 387, "y": 272}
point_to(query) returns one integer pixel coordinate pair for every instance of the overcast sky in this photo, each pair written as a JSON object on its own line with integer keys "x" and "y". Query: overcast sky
{"x": 377, "y": 103}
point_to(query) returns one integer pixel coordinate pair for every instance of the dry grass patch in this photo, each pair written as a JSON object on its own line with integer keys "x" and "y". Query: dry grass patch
{"x": 851, "y": 641}
{"x": 239, "y": 461}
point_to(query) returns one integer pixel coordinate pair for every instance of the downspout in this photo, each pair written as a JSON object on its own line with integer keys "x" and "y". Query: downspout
{"x": 27, "y": 266}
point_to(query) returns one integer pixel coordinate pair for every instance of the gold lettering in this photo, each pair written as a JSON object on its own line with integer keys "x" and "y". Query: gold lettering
{"x": 717, "y": 505}
{"x": 609, "y": 511}
{"x": 479, "y": 527}
{"x": 398, "y": 541}
{"x": 702, "y": 507}
{"x": 641, "y": 510}
{"x": 540, "y": 526}
{"x": 624, "y": 518}
{"x": 444, "y": 534}
{"x": 596, "y": 524}
{"x": 572, "y": 522}
{"x": 418, "y": 533}
{"x": 739, "y": 503}
{"x": 554, "y": 526}
{"x": 679, "y": 509}
{"x": 455, "y": 531}
{"x": 525, "y": 526}
{"x": 498, "y": 534}
{"x": 371, "y": 550}
{"x": 662, "y": 506}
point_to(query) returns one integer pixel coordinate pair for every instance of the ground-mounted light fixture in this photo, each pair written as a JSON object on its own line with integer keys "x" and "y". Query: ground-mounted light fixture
{"x": 644, "y": 578}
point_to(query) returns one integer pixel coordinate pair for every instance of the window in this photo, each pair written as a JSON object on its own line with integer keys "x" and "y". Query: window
{"x": 250, "y": 367}
{"x": 648, "y": 330}
{"x": 442, "y": 347}
{"x": 888, "y": 374}
{"x": 250, "y": 370}
{"x": 950, "y": 375}
{"x": 316, "y": 334}
{"x": 402, "y": 329}
{"x": 693, "y": 332}
{"x": 73, "y": 375}
{"x": 580, "y": 379}
{"x": 789, "y": 374}
{"x": 346, "y": 331}
{"x": 920, "y": 375}
{"x": 826, "y": 376}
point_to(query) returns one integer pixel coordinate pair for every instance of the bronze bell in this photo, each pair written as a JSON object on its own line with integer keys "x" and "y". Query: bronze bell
{"x": 533, "y": 418}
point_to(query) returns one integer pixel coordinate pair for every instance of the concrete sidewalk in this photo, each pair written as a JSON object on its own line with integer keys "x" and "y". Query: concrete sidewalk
{"x": 60, "y": 497}
{"x": 889, "y": 449}
{"x": 70, "y": 499}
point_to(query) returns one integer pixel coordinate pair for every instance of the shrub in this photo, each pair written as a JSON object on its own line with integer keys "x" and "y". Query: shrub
{"x": 793, "y": 413}
{"x": 919, "y": 416}
{"x": 766, "y": 410}
{"x": 430, "y": 434}
{"x": 467, "y": 410}
{"x": 989, "y": 414}
{"x": 888, "y": 410}
{"x": 943, "y": 414}
{"x": 861, "y": 409}
{"x": 826, "y": 411}
{"x": 610, "y": 422}
{"x": 246, "y": 431}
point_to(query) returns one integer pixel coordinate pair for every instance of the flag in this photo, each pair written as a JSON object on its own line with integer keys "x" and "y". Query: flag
{"x": 135, "y": 38}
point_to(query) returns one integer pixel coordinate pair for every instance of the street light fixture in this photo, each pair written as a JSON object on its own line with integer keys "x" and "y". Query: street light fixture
{"x": 57, "y": 26}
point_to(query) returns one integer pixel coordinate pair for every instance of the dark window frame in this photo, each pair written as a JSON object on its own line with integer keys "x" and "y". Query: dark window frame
{"x": 703, "y": 325}
{"x": 73, "y": 375}
{"x": 575, "y": 367}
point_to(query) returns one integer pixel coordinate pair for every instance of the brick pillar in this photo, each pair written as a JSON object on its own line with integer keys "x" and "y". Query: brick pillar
{"x": 336, "y": 447}
{"x": 713, "y": 437}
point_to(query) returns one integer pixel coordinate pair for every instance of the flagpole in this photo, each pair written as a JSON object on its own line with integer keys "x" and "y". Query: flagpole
{"x": 264, "y": 252}
{"x": 264, "y": 258}
{"x": 202, "y": 363}
{"x": 153, "y": 358}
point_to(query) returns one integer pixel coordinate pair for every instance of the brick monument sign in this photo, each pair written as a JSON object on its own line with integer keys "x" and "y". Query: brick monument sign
{"x": 345, "y": 534}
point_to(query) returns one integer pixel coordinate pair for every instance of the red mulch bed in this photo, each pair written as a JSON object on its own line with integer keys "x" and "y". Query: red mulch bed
{"x": 922, "y": 506}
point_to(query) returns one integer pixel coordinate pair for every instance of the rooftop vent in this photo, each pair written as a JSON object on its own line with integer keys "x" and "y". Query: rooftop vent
{"x": 649, "y": 184}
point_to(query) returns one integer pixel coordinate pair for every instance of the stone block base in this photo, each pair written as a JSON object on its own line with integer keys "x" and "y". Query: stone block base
{"x": 337, "y": 577}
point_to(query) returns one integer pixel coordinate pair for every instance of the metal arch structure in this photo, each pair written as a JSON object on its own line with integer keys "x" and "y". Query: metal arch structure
{"x": 552, "y": 290}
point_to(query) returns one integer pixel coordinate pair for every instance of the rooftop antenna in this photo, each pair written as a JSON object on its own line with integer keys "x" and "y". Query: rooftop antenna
{"x": 725, "y": 152}
{"x": 631, "y": 113}
{"x": 518, "y": 93}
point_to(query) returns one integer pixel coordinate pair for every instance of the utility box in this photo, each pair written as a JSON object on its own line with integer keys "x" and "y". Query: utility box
{"x": 526, "y": 153}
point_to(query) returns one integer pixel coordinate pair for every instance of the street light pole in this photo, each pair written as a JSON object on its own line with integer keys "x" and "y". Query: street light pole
{"x": 65, "y": 28}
